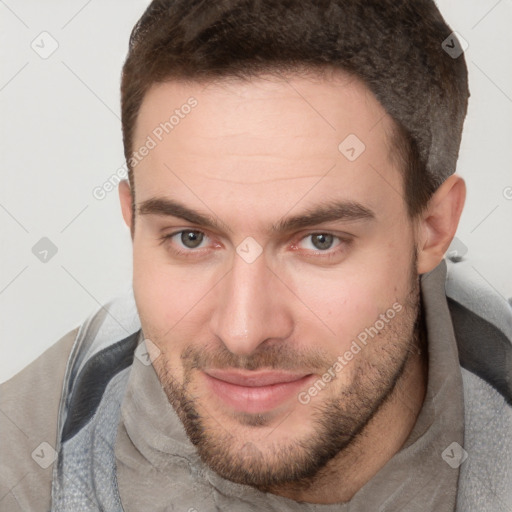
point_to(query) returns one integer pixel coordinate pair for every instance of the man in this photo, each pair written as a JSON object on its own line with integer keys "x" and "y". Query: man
{"x": 290, "y": 344}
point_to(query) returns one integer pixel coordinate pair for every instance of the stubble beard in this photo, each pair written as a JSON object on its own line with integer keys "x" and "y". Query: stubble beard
{"x": 336, "y": 423}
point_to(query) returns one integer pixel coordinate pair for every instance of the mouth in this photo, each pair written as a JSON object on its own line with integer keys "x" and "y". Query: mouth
{"x": 255, "y": 392}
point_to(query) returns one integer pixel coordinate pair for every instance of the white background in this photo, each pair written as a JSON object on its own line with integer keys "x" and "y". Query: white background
{"x": 61, "y": 138}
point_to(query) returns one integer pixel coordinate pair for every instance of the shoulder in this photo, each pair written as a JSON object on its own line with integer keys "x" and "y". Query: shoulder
{"x": 29, "y": 404}
{"x": 482, "y": 327}
{"x": 482, "y": 322}
{"x": 485, "y": 477}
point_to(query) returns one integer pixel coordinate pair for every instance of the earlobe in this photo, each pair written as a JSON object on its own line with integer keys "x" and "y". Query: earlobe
{"x": 439, "y": 223}
{"x": 125, "y": 198}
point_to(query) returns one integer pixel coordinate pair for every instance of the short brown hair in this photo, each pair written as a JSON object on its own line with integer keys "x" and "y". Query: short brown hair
{"x": 394, "y": 46}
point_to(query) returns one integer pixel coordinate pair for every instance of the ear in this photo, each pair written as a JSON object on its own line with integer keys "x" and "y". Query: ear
{"x": 125, "y": 198}
{"x": 438, "y": 224}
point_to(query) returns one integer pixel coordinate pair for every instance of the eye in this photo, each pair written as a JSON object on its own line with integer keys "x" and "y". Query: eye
{"x": 191, "y": 239}
{"x": 319, "y": 241}
{"x": 324, "y": 247}
{"x": 184, "y": 240}
{"x": 197, "y": 244}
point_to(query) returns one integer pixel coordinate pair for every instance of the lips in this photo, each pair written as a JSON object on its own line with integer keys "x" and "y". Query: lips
{"x": 254, "y": 392}
{"x": 254, "y": 379}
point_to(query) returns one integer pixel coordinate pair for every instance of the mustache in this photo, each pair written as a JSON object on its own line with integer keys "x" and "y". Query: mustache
{"x": 274, "y": 356}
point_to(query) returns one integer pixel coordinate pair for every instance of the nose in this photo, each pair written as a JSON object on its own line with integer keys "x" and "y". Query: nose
{"x": 251, "y": 307}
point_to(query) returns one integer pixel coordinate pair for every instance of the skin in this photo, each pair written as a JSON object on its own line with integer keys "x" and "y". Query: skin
{"x": 251, "y": 154}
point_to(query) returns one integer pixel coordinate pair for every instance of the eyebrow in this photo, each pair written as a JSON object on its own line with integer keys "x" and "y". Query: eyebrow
{"x": 344, "y": 211}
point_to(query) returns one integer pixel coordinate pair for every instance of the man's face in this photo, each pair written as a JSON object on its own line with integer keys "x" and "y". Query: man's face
{"x": 257, "y": 309}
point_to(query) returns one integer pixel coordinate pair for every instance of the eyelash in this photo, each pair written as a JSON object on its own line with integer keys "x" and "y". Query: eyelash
{"x": 344, "y": 242}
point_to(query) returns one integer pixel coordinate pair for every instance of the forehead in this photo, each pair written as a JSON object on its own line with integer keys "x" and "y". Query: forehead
{"x": 267, "y": 137}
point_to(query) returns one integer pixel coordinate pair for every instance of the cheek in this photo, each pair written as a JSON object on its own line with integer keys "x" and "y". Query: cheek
{"x": 150, "y": 286}
{"x": 175, "y": 301}
{"x": 346, "y": 301}
{"x": 166, "y": 295}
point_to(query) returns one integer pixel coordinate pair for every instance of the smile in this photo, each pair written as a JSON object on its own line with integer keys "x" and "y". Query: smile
{"x": 254, "y": 392}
